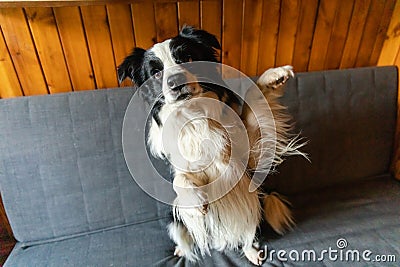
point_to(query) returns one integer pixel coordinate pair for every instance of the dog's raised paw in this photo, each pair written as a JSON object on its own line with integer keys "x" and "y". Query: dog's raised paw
{"x": 253, "y": 255}
{"x": 275, "y": 77}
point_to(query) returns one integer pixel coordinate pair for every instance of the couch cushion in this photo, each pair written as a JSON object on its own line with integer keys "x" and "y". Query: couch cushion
{"x": 366, "y": 215}
{"x": 135, "y": 245}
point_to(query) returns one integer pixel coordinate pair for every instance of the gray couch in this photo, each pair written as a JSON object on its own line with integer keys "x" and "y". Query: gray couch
{"x": 71, "y": 200}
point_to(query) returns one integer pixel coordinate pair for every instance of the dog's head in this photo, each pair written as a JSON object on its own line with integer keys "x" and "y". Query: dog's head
{"x": 164, "y": 61}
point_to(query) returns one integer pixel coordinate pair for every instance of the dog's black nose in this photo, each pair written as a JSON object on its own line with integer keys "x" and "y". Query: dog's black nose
{"x": 176, "y": 81}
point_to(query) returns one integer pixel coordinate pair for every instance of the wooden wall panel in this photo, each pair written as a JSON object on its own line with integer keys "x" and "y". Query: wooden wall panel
{"x": 48, "y": 45}
{"x": 210, "y": 17}
{"x": 338, "y": 35}
{"x": 322, "y": 34}
{"x": 232, "y": 32}
{"x": 22, "y": 50}
{"x": 166, "y": 20}
{"x": 10, "y": 86}
{"x": 189, "y": 14}
{"x": 100, "y": 46}
{"x": 78, "y": 46}
{"x": 74, "y": 44}
{"x": 268, "y": 35}
{"x": 370, "y": 32}
{"x": 250, "y": 38}
{"x": 353, "y": 40}
{"x": 121, "y": 28}
{"x": 304, "y": 35}
{"x": 382, "y": 34}
{"x": 144, "y": 24}
{"x": 287, "y": 31}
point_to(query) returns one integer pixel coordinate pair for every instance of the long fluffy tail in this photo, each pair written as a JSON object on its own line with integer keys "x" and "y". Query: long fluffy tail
{"x": 277, "y": 213}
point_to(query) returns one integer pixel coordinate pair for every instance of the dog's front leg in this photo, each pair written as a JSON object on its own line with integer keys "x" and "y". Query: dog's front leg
{"x": 183, "y": 240}
{"x": 190, "y": 196}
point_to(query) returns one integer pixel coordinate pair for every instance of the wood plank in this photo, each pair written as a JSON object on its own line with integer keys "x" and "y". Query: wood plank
{"x": 339, "y": 34}
{"x": 304, "y": 35}
{"x": 353, "y": 40}
{"x": 45, "y": 35}
{"x": 22, "y": 50}
{"x": 268, "y": 35}
{"x": 189, "y": 13}
{"x": 76, "y": 53}
{"x": 145, "y": 33}
{"x": 121, "y": 27}
{"x": 232, "y": 32}
{"x": 63, "y": 3}
{"x": 10, "y": 86}
{"x": 369, "y": 34}
{"x": 322, "y": 34}
{"x": 250, "y": 38}
{"x": 211, "y": 17}
{"x": 390, "y": 37}
{"x": 166, "y": 20}
{"x": 100, "y": 46}
{"x": 287, "y": 32}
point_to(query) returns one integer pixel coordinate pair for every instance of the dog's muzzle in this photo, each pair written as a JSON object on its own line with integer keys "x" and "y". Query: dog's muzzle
{"x": 176, "y": 82}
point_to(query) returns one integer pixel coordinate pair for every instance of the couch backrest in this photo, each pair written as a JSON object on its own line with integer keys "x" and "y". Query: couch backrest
{"x": 349, "y": 120}
{"x": 62, "y": 171}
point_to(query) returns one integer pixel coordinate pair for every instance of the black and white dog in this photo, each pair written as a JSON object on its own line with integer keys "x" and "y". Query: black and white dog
{"x": 210, "y": 215}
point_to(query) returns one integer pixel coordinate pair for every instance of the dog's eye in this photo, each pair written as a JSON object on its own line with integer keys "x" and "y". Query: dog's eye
{"x": 156, "y": 73}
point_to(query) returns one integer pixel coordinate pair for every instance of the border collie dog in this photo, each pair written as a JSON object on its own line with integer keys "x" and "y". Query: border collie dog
{"x": 214, "y": 208}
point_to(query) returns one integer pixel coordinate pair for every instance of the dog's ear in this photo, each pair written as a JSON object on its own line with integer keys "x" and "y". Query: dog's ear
{"x": 200, "y": 36}
{"x": 131, "y": 66}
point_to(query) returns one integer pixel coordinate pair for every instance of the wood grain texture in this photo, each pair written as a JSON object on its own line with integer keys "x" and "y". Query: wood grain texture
{"x": 370, "y": 32}
{"x": 232, "y": 32}
{"x": 391, "y": 46}
{"x": 189, "y": 13}
{"x": 10, "y": 86}
{"x": 268, "y": 35}
{"x": 381, "y": 36}
{"x": 101, "y": 52}
{"x": 75, "y": 48}
{"x": 22, "y": 50}
{"x": 355, "y": 33}
{"x": 211, "y": 17}
{"x": 121, "y": 28}
{"x": 166, "y": 20}
{"x": 251, "y": 36}
{"x": 304, "y": 36}
{"x": 338, "y": 35}
{"x": 287, "y": 32}
{"x": 93, "y": 37}
{"x": 144, "y": 24}
{"x": 45, "y": 35}
{"x": 322, "y": 34}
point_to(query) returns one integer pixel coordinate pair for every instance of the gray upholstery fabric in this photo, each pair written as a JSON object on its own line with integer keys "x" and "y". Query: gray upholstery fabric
{"x": 348, "y": 118}
{"x": 366, "y": 214}
{"x": 63, "y": 172}
{"x": 72, "y": 202}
